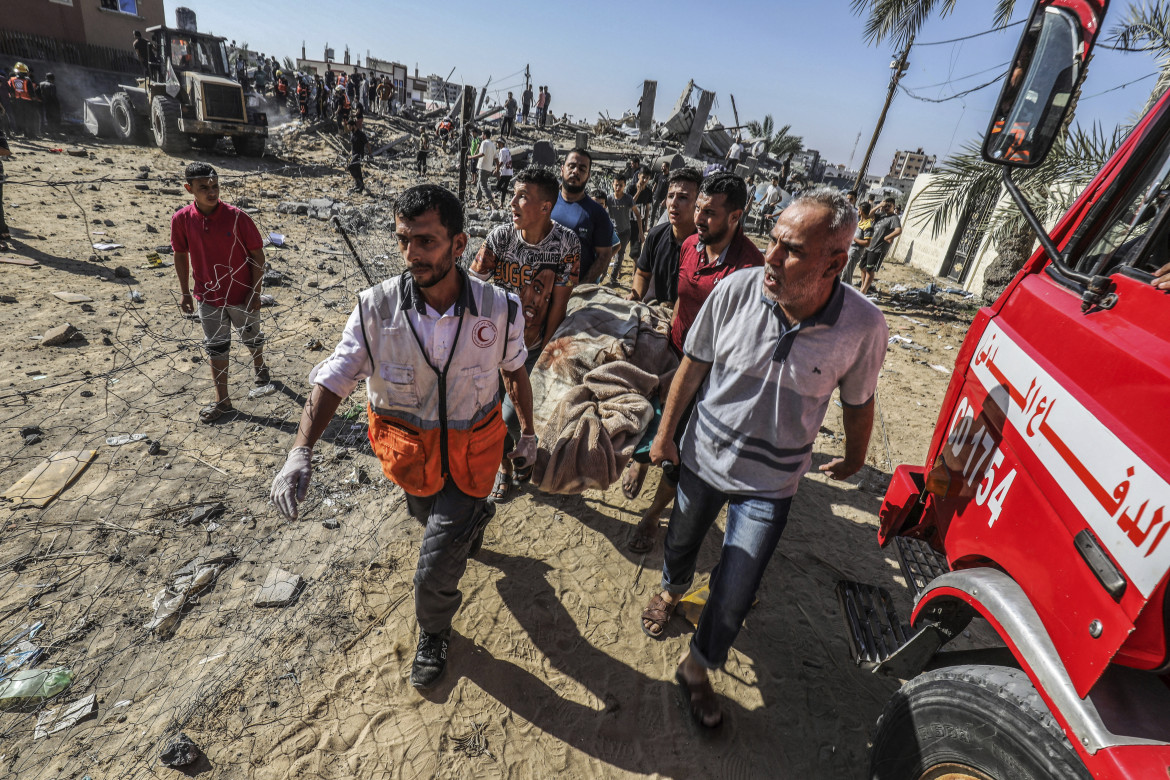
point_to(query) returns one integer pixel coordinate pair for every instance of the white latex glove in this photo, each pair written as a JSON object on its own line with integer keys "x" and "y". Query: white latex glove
{"x": 292, "y": 483}
{"x": 525, "y": 453}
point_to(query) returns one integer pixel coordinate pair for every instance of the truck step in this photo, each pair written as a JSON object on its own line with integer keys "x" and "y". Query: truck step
{"x": 872, "y": 625}
{"x": 921, "y": 563}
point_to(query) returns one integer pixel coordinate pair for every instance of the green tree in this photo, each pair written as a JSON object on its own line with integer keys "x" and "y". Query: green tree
{"x": 897, "y": 20}
{"x": 778, "y": 143}
{"x": 1050, "y": 188}
{"x": 1147, "y": 28}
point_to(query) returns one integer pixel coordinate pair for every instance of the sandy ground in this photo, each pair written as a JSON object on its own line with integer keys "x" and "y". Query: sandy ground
{"x": 549, "y": 674}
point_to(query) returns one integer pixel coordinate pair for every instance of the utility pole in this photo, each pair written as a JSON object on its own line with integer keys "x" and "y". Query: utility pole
{"x": 464, "y": 139}
{"x": 899, "y": 68}
{"x": 527, "y": 78}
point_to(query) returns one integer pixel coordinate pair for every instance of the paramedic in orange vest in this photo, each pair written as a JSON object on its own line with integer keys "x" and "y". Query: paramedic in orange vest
{"x": 27, "y": 114}
{"x": 431, "y": 345}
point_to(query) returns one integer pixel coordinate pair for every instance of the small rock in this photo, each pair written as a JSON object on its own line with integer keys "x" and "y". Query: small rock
{"x": 31, "y": 439}
{"x": 331, "y": 523}
{"x": 62, "y": 216}
{"x": 313, "y": 283}
{"x": 87, "y": 308}
{"x": 136, "y": 297}
{"x": 180, "y": 752}
{"x": 87, "y": 394}
{"x": 108, "y": 222}
{"x": 29, "y": 430}
{"x": 314, "y": 345}
{"x": 273, "y": 278}
{"x": 171, "y": 191}
{"x": 143, "y": 187}
{"x": 108, "y": 160}
{"x": 55, "y": 337}
{"x": 155, "y": 447}
{"x": 151, "y": 229}
{"x": 77, "y": 152}
{"x": 122, "y": 272}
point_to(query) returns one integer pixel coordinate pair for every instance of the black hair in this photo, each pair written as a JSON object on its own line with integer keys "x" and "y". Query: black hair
{"x": 418, "y": 200}
{"x": 728, "y": 185}
{"x": 864, "y": 208}
{"x": 199, "y": 170}
{"x": 691, "y": 175}
{"x": 583, "y": 152}
{"x": 852, "y": 192}
{"x": 542, "y": 179}
{"x": 138, "y": 33}
{"x": 598, "y": 194}
{"x": 891, "y": 201}
{"x": 620, "y": 176}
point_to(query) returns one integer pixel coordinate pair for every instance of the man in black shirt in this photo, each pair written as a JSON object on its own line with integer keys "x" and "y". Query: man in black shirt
{"x": 50, "y": 104}
{"x": 357, "y": 150}
{"x": 656, "y": 275}
{"x": 142, "y": 49}
{"x": 661, "y": 183}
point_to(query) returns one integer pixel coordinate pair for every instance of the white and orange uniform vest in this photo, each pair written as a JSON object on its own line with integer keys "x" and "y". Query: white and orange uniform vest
{"x": 21, "y": 87}
{"x": 432, "y": 380}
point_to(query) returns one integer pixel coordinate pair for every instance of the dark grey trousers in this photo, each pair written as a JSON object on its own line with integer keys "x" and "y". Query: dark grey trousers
{"x": 451, "y": 519}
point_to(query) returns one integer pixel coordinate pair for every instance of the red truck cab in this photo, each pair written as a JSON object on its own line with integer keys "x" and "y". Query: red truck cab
{"x": 1044, "y": 503}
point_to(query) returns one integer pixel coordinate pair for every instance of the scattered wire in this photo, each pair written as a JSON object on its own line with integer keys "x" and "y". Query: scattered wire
{"x": 963, "y": 78}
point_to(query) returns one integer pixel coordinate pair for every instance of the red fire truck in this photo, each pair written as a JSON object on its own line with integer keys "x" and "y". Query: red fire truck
{"x": 1043, "y": 509}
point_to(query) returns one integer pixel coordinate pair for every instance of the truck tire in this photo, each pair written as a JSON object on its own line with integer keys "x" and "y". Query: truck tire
{"x": 128, "y": 126}
{"x": 164, "y": 122}
{"x": 249, "y": 145}
{"x": 977, "y": 722}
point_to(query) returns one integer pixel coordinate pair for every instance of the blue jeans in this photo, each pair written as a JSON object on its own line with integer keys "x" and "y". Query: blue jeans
{"x": 754, "y": 526}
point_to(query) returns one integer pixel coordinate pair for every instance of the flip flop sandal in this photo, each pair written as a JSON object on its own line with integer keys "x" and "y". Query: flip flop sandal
{"x": 658, "y": 612}
{"x": 641, "y": 542}
{"x": 700, "y": 701}
{"x": 502, "y": 489}
{"x": 632, "y": 479}
{"x": 213, "y": 412}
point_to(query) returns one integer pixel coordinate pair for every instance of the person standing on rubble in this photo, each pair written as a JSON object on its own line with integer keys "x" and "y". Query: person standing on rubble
{"x": 547, "y": 106}
{"x": 219, "y": 246}
{"x": 541, "y": 104}
{"x": 620, "y": 207}
{"x": 50, "y": 103}
{"x": 508, "y": 126}
{"x": 503, "y": 169}
{"x": 764, "y": 356}
{"x": 431, "y": 345}
{"x": 537, "y": 260}
{"x": 486, "y": 154}
{"x": 526, "y": 103}
{"x": 357, "y": 150}
{"x": 424, "y": 146}
{"x": 584, "y": 216}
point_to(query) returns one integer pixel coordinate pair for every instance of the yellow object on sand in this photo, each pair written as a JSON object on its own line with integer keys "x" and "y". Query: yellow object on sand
{"x": 46, "y": 481}
{"x": 691, "y": 605}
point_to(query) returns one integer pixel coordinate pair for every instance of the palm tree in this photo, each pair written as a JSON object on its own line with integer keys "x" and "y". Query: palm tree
{"x": 1147, "y": 28}
{"x": 899, "y": 19}
{"x": 778, "y": 143}
{"x": 965, "y": 178}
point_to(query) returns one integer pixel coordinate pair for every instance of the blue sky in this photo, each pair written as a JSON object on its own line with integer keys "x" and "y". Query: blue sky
{"x": 806, "y": 63}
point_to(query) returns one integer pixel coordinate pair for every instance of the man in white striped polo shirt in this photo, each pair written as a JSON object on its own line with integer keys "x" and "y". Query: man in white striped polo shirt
{"x": 764, "y": 356}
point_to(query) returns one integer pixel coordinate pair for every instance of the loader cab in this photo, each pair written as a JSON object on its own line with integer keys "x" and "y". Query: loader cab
{"x": 190, "y": 51}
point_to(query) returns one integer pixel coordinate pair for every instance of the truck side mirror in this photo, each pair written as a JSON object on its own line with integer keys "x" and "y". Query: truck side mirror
{"x": 1037, "y": 92}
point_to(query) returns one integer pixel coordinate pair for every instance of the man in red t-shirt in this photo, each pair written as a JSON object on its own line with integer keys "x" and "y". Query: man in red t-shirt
{"x": 218, "y": 245}
{"x": 718, "y": 248}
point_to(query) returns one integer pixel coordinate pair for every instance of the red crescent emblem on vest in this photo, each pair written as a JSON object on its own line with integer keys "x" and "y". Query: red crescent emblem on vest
{"x": 484, "y": 334}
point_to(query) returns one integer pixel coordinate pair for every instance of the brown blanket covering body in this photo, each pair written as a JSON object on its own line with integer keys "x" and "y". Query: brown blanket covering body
{"x": 591, "y": 389}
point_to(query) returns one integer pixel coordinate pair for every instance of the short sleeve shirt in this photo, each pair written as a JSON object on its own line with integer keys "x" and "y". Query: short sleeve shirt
{"x": 764, "y": 399}
{"x": 619, "y": 211}
{"x": 863, "y": 232}
{"x": 218, "y": 246}
{"x": 505, "y": 161}
{"x": 517, "y": 260}
{"x": 882, "y": 228}
{"x": 659, "y": 258}
{"x": 697, "y": 278}
{"x": 488, "y": 149}
{"x": 588, "y": 220}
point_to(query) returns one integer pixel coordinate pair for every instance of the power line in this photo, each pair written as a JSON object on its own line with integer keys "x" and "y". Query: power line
{"x": 973, "y": 35}
{"x": 955, "y": 96}
{"x": 963, "y": 78}
{"x": 1120, "y": 86}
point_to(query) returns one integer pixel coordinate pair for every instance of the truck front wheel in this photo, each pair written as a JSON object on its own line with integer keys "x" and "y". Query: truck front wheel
{"x": 971, "y": 723}
{"x": 128, "y": 126}
{"x": 164, "y": 121}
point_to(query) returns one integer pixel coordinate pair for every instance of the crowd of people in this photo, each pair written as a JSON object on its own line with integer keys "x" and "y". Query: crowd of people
{"x": 763, "y": 340}
{"x": 29, "y": 108}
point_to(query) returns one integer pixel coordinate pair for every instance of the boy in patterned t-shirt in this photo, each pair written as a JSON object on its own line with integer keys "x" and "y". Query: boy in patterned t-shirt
{"x": 538, "y": 260}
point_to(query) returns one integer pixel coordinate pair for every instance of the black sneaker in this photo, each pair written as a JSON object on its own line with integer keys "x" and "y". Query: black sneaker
{"x": 430, "y": 659}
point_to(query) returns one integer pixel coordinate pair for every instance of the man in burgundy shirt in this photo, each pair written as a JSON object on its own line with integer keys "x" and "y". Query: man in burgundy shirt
{"x": 718, "y": 248}
{"x": 219, "y": 246}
